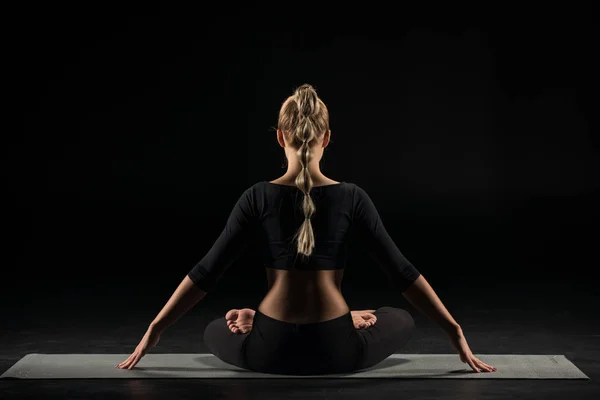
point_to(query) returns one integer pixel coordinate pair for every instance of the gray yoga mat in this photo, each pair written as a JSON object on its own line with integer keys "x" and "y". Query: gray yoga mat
{"x": 85, "y": 366}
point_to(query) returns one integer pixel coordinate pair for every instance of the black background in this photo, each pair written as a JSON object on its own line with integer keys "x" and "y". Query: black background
{"x": 131, "y": 133}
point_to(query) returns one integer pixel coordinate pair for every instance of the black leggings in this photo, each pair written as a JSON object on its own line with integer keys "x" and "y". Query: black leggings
{"x": 327, "y": 347}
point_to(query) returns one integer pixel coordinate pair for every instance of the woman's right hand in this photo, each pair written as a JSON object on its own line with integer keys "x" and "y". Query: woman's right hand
{"x": 459, "y": 342}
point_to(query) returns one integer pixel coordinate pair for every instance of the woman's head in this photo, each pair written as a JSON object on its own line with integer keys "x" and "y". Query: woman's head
{"x": 304, "y": 125}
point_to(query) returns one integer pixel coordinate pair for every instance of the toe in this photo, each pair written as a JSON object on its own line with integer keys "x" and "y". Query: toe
{"x": 232, "y": 314}
{"x": 246, "y": 328}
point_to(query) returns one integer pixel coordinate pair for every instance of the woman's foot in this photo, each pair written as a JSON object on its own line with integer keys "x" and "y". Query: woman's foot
{"x": 363, "y": 318}
{"x": 240, "y": 321}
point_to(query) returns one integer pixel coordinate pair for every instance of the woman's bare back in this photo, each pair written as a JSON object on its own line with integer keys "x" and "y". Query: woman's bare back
{"x": 304, "y": 297}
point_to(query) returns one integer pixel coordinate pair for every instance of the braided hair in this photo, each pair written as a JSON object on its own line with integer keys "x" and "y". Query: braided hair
{"x": 304, "y": 118}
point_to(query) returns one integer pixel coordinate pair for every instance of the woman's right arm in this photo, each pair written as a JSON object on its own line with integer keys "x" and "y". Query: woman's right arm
{"x": 421, "y": 295}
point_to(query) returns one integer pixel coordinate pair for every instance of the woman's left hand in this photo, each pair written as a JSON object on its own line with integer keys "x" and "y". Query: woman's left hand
{"x": 149, "y": 341}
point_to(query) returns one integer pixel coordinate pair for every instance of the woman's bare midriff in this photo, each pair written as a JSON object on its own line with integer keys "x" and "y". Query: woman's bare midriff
{"x": 304, "y": 297}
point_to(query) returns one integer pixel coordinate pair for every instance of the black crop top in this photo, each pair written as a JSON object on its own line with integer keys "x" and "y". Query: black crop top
{"x": 274, "y": 213}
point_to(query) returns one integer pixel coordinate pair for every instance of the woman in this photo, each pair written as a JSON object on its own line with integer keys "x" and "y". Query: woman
{"x": 303, "y": 325}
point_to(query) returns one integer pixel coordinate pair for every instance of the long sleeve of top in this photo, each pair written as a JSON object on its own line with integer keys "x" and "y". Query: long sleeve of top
{"x": 229, "y": 246}
{"x": 370, "y": 230}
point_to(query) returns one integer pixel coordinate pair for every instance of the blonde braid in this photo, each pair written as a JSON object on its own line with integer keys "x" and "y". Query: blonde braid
{"x": 306, "y": 116}
{"x": 306, "y": 133}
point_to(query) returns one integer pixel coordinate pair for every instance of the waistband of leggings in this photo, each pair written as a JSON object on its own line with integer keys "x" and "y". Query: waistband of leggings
{"x": 344, "y": 317}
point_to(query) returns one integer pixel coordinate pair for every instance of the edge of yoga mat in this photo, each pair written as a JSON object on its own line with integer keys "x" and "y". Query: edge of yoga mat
{"x": 208, "y": 366}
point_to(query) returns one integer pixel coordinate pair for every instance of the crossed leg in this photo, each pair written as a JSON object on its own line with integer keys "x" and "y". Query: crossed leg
{"x": 393, "y": 329}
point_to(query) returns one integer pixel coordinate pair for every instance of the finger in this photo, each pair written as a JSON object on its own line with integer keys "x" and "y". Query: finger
{"x": 489, "y": 368}
{"x": 482, "y": 365}
{"x": 138, "y": 359}
{"x": 130, "y": 360}
{"x": 485, "y": 367}
{"x": 122, "y": 363}
{"x": 472, "y": 364}
{"x": 131, "y": 364}
{"x": 127, "y": 364}
{"x": 134, "y": 362}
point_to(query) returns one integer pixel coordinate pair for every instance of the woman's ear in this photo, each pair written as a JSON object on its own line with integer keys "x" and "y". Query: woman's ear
{"x": 280, "y": 138}
{"x": 326, "y": 138}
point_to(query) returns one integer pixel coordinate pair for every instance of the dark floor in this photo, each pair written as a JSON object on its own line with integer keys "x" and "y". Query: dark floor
{"x": 520, "y": 318}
